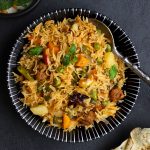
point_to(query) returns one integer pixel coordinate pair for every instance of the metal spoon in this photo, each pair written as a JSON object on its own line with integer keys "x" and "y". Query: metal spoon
{"x": 109, "y": 35}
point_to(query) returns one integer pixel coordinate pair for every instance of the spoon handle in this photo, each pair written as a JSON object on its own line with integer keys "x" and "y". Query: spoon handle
{"x": 138, "y": 71}
{"x": 134, "y": 68}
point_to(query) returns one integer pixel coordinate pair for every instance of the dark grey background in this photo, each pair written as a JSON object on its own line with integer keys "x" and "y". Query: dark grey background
{"x": 133, "y": 16}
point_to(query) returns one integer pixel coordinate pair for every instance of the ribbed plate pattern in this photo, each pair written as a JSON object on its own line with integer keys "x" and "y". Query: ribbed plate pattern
{"x": 132, "y": 85}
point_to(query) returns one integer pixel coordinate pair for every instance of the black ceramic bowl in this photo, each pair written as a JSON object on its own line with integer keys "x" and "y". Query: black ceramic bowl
{"x": 22, "y": 12}
{"x": 132, "y": 85}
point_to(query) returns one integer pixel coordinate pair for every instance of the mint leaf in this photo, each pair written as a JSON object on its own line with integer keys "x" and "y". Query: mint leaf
{"x": 5, "y": 4}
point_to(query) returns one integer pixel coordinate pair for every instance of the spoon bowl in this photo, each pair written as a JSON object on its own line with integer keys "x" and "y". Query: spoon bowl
{"x": 100, "y": 25}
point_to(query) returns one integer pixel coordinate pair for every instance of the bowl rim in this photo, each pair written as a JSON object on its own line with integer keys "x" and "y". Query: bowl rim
{"x": 40, "y": 19}
{"x": 33, "y": 4}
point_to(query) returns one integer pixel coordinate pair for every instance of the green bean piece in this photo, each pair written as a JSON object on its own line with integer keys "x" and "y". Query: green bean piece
{"x": 57, "y": 81}
{"x": 25, "y": 73}
{"x": 96, "y": 46}
{"x": 35, "y": 50}
{"x": 113, "y": 72}
{"x": 108, "y": 48}
{"x": 94, "y": 94}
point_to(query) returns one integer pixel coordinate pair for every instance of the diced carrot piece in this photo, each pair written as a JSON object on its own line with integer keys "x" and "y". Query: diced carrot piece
{"x": 66, "y": 121}
{"x": 82, "y": 61}
{"x": 30, "y": 37}
{"x": 46, "y": 56}
{"x": 99, "y": 107}
{"x": 37, "y": 41}
{"x": 94, "y": 73}
{"x": 53, "y": 48}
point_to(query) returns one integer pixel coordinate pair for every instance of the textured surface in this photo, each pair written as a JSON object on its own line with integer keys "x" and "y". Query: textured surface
{"x": 123, "y": 45}
{"x": 133, "y": 16}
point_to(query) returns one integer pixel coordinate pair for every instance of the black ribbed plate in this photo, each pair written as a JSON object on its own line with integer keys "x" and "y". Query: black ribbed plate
{"x": 132, "y": 85}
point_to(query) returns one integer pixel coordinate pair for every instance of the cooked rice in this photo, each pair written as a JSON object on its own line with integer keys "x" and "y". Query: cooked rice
{"x": 43, "y": 91}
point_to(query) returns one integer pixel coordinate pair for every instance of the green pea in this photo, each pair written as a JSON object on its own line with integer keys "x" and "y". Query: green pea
{"x": 60, "y": 69}
{"x": 108, "y": 48}
{"x": 99, "y": 31}
{"x": 25, "y": 73}
{"x": 85, "y": 50}
{"x": 47, "y": 97}
{"x": 96, "y": 46}
{"x": 57, "y": 82}
{"x": 105, "y": 102}
{"x": 99, "y": 61}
